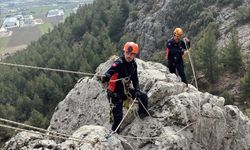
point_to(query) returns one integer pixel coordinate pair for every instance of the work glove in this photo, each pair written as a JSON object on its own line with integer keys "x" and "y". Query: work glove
{"x": 187, "y": 41}
{"x": 102, "y": 78}
{"x": 105, "y": 78}
{"x": 99, "y": 77}
{"x": 137, "y": 93}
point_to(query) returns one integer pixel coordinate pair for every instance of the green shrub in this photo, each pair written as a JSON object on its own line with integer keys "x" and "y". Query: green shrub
{"x": 229, "y": 100}
{"x": 244, "y": 87}
{"x": 243, "y": 15}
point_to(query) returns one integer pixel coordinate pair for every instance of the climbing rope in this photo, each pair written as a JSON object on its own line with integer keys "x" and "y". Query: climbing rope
{"x": 47, "y": 69}
{"x": 192, "y": 65}
{"x": 68, "y": 137}
{"x": 58, "y": 70}
{"x": 58, "y": 135}
{"x": 125, "y": 115}
{"x": 158, "y": 137}
{"x": 145, "y": 108}
{"x": 45, "y": 134}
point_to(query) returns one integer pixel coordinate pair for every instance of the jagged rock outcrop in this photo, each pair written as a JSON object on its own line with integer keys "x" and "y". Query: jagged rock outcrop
{"x": 84, "y": 138}
{"x": 227, "y": 19}
{"x": 150, "y": 27}
{"x": 183, "y": 118}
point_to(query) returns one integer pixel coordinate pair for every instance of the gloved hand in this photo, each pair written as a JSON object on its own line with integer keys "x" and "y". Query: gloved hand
{"x": 137, "y": 93}
{"x": 187, "y": 41}
{"x": 104, "y": 78}
{"x": 99, "y": 77}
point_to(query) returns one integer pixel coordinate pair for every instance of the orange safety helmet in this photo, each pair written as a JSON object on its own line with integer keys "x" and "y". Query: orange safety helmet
{"x": 131, "y": 47}
{"x": 178, "y": 32}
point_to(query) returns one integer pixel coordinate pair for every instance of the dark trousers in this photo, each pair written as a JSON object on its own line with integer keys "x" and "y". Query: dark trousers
{"x": 180, "y": 68}
{"x": 117, "y": 106}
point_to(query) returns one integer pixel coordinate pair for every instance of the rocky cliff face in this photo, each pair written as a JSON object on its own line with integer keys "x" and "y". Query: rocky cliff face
{"x": 151, "y": 30}
{"x": 150, "y": 25}
{"x": 227, "y": 19}
{"x": 184, "y": 118}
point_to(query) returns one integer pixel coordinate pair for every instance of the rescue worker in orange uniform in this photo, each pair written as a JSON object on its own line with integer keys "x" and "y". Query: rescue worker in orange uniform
{"x": 119, "y": 76}
{"x": 175, "y": 51}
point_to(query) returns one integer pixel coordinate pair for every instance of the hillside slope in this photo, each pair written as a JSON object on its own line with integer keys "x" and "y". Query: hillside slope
{"x": 151, "y": 23}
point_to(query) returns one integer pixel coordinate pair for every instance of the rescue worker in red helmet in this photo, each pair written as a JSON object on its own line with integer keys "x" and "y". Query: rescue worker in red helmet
{"x": 118, "y": 91}
{"x": 175, "y": 51}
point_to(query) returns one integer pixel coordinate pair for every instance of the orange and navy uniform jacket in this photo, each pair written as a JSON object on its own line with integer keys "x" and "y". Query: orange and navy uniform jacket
{"x": 174, "y": 50}
{"x": 122, "y": 69}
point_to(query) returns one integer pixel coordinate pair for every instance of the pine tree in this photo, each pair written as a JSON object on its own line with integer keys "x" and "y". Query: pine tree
{"x": 233, "y": 53}
{"x": 124, "y": 9}
{"x": 244, "y": 87}
{"x": 206, "y": 58}
{"x": 116, "y": 24}
{"x": 119, "y": 14}
{"x": 109, "y": 48}
{"x": 37, "y": 119}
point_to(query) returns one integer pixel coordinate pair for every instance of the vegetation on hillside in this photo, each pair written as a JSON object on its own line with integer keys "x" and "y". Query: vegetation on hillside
{"x": 206, "y": 53}
{"x": 243, "y": 14}
{"x": 3, "y": 42}
{"x": 195, "y": 15}
{"x": 245, "y": 90}
{"x": 45, "y": 28}
{"x": 198, "y": 20}
{"x": 80, "y": 44}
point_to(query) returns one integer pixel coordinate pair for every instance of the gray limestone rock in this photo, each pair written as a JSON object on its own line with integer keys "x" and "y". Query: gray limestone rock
{"x": 84, "y": 138}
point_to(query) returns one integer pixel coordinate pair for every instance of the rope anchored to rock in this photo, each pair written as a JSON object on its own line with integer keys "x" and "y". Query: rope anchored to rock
{"x": 40, "y": 130}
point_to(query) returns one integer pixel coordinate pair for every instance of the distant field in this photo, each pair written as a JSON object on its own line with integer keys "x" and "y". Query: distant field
{"x": 44, "y": 28}
{"x": 42, "y": 9}
{"x": 24, "y": 35}
{"x": 3, "y": 43}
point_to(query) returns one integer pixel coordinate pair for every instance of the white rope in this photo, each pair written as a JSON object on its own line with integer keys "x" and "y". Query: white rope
{"x": 68, "y": 137}
{"x": 146, "y": 138}
{"x": 58, "y": 70}
{"x": 44, "y": 134}
{"x": 43, "y": 130}
{"x": 125, "y": 116}
{"x": 144, "y": 108}
{"x": 158, "y": 137}
{"x": 47, "y": 69}
{"x": 192, "y": 65}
